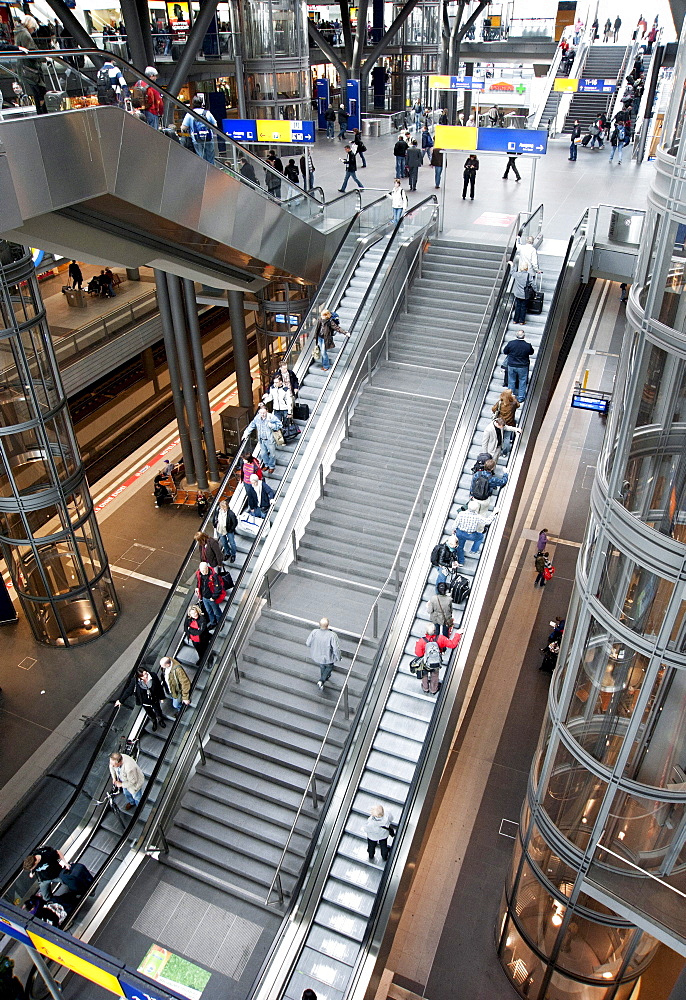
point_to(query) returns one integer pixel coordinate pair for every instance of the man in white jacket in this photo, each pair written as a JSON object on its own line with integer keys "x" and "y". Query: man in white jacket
{"x": 127, "y": 775}
{"x": 492, "y": 440}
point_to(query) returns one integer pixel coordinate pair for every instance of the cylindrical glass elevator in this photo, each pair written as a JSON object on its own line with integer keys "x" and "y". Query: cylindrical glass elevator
{"x": 48, "y": 533}
{"x": 603, "y": 830}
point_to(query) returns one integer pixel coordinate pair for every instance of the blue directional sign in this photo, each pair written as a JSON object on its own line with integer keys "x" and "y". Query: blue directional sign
{"x": 534, "y": 142}
{"x": 322, "y": 86}
{"x": 456, "y": 83}
{"x": 588, "y": 86}
{"x": 302, "y": 131}
{"x": 240, "y": 129}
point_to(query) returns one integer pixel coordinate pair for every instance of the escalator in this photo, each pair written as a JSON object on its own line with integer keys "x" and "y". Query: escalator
{"x": 97, "y": 182}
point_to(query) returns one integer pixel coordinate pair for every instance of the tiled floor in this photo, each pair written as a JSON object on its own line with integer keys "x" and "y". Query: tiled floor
{"x": 64, "y": 319}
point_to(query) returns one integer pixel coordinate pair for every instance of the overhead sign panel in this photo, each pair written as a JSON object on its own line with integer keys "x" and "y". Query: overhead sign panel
{"x": 533, "y": 142}
{"x": 527, "y": 141}
{"x": 269, "y": 130}
{"x": 456, "y": 137}
{"x": 456, "y": 83}
{"x": 597, "y": 86}
{"x": 564, "y": 86}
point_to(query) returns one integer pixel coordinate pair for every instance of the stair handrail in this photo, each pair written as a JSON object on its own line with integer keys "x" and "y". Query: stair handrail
{"x": 329, "y": 300}
{"x": 497, "y": 291}
{"x": 641, "y": 131}
{"x": 313, "y": 207}
{"x": 575, "y": 72}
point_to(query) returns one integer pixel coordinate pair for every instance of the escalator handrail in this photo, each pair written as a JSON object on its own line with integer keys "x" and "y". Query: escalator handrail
{"x": 173, "y": 589}
{"x": 62, "y": 55}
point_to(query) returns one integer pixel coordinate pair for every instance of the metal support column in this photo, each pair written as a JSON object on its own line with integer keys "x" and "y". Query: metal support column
{"x": 193, "y": 44}
{"x": 40, "y": 963}
{"x": 75, "y": 29}
{"x": 134, "y": 34}
{"x": 200, "y": 380}
{"x": 239, "y": 341}
{"x": 174, "y": 379}
{"x": 146, "y": 31}
{"x": 238, "y": 58}
{"x": 187, "y": 387}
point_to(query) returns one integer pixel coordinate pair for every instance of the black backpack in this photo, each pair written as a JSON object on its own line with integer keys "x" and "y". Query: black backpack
{"x": 481, "y": 485}
{"x": 481, "y": 460}
{"x": 105, "y": 91}
{"x": 461, "y": 589}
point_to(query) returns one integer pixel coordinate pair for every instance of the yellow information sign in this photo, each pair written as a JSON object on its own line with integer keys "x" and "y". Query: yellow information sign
{"x": 79, "y": 965}
{"x": 439, "y": 83}
{"x": 564, "y": 86}
{"x": 273, "y": 131}
{"x": 456, "y": 137}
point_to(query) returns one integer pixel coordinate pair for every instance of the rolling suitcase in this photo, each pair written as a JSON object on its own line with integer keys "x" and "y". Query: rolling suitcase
{"x": 534, "y": 304}
{"x": 586, "y": 139}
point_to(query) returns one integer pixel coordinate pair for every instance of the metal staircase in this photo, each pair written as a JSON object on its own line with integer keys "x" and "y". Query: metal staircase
{"x": 236, "y": 813}
{"x": 603, "y": 62}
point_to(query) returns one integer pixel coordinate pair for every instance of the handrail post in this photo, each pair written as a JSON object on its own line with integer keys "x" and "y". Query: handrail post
{"x": 203, "y": 758}
{"x": 236, "y": 671}
{"x": 294, "y": 546}
{"x": 347, "y": 421}
{"x": 397, "y": 575}
{"x": 321, "y": 480}
{"x": 375, "y": 625}
{"x": 104, "y": 326}
{"x": 313, "y": 790}
{"x": 269, "y": 593}
{"x": 165, "y": 845}
{"x": 279, "y": 888}
{"x": 346, "y": 701}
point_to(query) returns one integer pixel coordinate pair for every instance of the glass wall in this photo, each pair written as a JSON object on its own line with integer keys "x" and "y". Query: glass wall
{"x": 48, "y": 533}
{"x": 276, "y": 54}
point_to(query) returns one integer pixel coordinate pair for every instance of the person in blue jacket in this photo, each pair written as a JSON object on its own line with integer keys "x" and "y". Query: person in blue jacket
{"x": 427, "y": 143}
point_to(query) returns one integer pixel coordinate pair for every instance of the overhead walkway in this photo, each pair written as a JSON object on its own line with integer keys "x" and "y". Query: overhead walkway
{"x": 99, "y": 182}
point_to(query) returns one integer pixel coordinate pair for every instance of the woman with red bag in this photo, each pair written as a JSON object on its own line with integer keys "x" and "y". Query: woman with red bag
{"x": 210, "y": 590}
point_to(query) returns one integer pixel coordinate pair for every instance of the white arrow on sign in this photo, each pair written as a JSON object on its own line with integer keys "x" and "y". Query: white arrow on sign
{"x": 539, "y": 147}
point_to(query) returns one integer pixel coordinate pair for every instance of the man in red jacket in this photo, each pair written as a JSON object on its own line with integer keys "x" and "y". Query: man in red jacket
{"x": 430, "y": 649}
{"x": 153, "y": 107}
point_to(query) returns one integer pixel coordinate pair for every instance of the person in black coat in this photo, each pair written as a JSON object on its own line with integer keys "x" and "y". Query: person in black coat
{"x": 146, "y": 687}
{"x": 197, "y": 631}
{"x": 75, "y": 275}
{"x": 471, "y": 165}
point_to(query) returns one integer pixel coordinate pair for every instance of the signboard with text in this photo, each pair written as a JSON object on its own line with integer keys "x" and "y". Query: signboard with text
{"x": 456, "y": 83}
{"x": 269, "y": 130}
{"x": 584, "y": 86}
{"x": 525, "y": 141}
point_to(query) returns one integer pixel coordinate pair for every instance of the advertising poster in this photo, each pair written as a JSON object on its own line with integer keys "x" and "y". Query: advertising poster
{"x": 174, "y": 971}
{"x": 179, "y": 15}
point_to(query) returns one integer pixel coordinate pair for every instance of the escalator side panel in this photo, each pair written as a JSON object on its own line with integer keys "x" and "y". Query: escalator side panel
{"x": 63, "y": 160}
